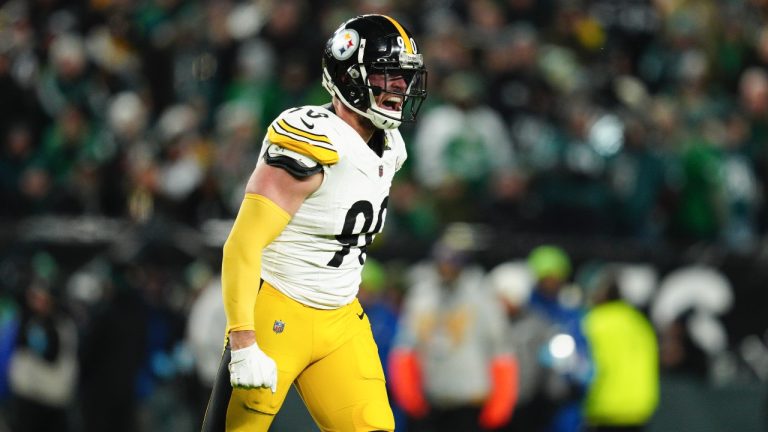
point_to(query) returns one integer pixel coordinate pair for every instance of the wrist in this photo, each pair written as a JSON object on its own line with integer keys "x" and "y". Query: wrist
{"x": 241, "y": 339}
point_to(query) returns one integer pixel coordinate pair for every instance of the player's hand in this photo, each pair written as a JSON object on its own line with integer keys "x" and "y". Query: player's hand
{"x": 251, "y": 368}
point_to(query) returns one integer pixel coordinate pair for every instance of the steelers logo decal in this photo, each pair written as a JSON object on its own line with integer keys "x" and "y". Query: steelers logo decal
{"x": 345, "y": 43}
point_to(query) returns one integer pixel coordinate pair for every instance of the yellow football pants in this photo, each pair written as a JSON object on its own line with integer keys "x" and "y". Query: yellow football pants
{"x": 329, "y": 354}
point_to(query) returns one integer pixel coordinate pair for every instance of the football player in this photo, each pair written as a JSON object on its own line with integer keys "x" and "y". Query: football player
{"x": 292, "y": 262}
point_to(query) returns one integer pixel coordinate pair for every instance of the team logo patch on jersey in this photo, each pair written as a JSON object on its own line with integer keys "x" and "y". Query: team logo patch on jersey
{"x": 381, "y": 170}
{"x": 278, "y": 326}
{"x": 345, "y": 43}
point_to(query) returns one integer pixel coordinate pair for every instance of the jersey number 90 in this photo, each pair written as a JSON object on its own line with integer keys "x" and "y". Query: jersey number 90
{"x": 348, "y": 238}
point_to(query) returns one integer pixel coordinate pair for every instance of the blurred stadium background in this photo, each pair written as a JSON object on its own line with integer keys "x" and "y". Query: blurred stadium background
{"x": 631, "y": 132}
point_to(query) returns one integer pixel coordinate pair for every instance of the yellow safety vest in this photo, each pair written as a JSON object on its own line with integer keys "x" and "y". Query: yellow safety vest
{"x": 625, "y": 386}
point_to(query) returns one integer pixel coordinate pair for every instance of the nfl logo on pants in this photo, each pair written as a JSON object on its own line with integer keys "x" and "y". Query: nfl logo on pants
{"x": 278, "y": 326}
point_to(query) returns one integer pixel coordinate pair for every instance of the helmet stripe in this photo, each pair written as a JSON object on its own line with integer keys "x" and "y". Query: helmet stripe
{"x": 401, "y": 30}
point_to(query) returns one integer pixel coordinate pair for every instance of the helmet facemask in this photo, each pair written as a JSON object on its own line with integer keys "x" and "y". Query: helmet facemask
{"x": 400, "y": 104}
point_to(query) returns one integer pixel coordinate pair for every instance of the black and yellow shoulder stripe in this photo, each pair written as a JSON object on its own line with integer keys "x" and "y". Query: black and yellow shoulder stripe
{"x": 315, "y": 146}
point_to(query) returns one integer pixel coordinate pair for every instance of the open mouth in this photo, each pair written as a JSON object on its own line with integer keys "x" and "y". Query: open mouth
{"x": 392, "y": 103}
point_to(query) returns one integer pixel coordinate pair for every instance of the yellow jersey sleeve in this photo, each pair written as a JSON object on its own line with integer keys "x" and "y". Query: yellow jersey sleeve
{"x": 258, "y": 222}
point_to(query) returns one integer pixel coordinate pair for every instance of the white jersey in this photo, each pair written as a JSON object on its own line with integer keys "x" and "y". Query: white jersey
{"x": 318, "y": 257}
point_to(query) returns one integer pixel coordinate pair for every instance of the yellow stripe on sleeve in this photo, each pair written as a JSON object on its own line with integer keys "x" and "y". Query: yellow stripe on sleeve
{"x": 293, "y": 129}
{"x": 321, "y": 154}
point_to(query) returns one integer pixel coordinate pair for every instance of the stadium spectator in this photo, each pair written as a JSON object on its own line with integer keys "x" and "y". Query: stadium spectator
{"x": 450, "y": 368}
{"x": 568, "y": 355}
{"x": 44, "y": 367}
{"x": 624, "y": 391}
{"x": 541, "y": 388}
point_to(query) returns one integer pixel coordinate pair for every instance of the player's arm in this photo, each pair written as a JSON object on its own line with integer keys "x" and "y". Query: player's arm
{"x": 273, "y": 195}
{"x": 290, "y": 170}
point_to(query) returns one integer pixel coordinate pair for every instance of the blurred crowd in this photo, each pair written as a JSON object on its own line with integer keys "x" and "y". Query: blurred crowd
{"x": 633, "y": 118}
{"x": 628, "y": 120}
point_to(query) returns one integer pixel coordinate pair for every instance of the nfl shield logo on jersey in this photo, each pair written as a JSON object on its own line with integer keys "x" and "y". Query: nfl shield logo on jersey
{"x": 278, "y": 326}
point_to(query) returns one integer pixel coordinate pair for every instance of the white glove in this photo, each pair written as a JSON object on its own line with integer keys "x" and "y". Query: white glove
{"x": 249, "y": 367}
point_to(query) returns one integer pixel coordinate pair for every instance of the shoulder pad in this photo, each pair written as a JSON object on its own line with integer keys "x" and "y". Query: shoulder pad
{"x": 305, "y": 131}
{"x": 298, "y": 165}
